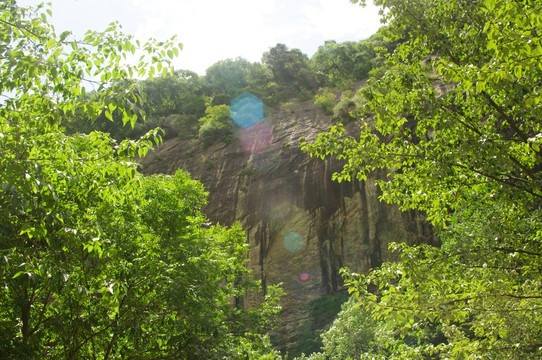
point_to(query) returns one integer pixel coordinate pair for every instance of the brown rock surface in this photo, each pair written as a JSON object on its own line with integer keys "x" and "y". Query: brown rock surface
{"x": 284, "y": 199}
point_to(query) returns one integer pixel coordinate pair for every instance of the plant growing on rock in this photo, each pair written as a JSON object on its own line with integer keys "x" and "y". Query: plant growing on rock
{"x": 216, "y": 125}
{"x": 325, "y": 99}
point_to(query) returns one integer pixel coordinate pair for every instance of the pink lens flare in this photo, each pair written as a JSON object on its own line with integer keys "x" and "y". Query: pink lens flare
{"x": 256, "y": 138}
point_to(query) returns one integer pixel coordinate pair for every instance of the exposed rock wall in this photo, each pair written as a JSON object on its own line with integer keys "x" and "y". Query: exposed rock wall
{"x": 302, "y": 227}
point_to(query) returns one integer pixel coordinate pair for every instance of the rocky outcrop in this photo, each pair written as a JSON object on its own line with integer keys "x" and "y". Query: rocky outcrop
{"x": 302, "y": 227}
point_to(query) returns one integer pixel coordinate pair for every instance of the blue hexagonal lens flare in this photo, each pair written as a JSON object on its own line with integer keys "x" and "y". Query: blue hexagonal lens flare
{"x": 246, "y": 110}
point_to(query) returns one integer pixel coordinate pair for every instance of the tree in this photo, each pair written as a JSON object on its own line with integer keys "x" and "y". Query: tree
{"x": 216, "y": 125}
{"x": 339, "y": 64}
{"x": 174, "y": 102}
{"x": 336, "y": 64}
{"x": 229, "y": 76}
{"x": 97, "y": 261}
{"x": 291, "y": 71}
{"x": 352, "y": 334}
{"x": 456, "y": 124}
{"x": 178, "y": 93}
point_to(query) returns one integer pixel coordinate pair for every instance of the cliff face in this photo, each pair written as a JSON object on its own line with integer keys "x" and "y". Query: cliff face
{"x": 302, "y": 227}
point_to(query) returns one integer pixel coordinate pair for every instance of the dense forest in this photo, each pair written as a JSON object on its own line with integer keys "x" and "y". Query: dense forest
{"x": 186, "y": 105}
{"x": 99, "y": 261}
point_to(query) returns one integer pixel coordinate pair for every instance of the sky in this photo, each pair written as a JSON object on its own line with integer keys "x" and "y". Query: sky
{"x": 213, "y": 30}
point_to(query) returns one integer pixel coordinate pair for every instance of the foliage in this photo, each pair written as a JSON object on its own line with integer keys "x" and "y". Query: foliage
{"x": 97, "y": 261}
{"x": 337, "y": 64}
{"x": 36, "y": 61}
{"x": 325, "y": 99}
{"x": 174, "y": 102}
{"x": 216, "y": 125}
{"x": 456, "y": 124}
{"x": 291, "y": 71}
{"x": 475, "y": 131}
{"x": 351, "y": 334}
{"x": 340, "y": 64}
{"x": 230, "y": 76}
{"x": 478, "y": 297}
{"x": 322, "y": 312}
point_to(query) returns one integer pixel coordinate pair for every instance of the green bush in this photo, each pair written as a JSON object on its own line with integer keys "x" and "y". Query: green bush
{"x": 322, "y": 313}
{"x": 216, "y": 125}
{"x": 349, "y": 107}
{"x": 350, "y": 335}
{"x": 325, "y": 99}
{"x": 287, "y": 108}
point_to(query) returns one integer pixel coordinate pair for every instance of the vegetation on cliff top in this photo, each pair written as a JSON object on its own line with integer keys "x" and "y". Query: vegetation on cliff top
{"x": 184, "y": 104}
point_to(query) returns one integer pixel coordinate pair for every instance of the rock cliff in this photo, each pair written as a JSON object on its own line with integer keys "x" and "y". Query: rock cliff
{"x": 302, "y": 227}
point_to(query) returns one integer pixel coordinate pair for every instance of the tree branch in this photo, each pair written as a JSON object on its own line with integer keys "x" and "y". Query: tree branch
{"x": 513, "y": 124}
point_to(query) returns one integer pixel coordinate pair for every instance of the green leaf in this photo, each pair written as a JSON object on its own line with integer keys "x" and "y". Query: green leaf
{"x": 19, "y": 274}
{"x": 51, "y": 43}
{"x": 108, "y": 115}
{"x": 518, "y": 71}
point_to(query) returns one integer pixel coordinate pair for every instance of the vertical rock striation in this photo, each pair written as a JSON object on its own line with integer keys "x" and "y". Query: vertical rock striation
{"x": 301, "y": 226}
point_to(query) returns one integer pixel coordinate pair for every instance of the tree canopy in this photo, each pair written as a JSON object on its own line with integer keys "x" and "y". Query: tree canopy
{"x": 97, "y": 261}
{"x": 337, "y": 64}
{"x": 291, "y": 71}
{"x": 230, "y": 76}
{"x": 455, "y": 121}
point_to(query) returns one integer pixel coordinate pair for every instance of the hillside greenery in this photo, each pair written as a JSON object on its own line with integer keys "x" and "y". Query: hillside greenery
{"x": 181, "y": 102}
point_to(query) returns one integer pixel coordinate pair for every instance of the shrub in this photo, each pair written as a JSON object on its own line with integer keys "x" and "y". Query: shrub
{"x": 287, "y": 108}
{"x": 216, "y": 125}
{"x": 325, "y": 99}
{"x": 349, "y": 107}
{"x": 350, "y": 336}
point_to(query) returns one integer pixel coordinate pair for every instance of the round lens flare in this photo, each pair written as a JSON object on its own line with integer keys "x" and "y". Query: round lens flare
{"x": 304, "y": 277}
{"x": 246, "y": 110}
{"x": 293, "y": 242}
{"x": 256, "y": 138}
